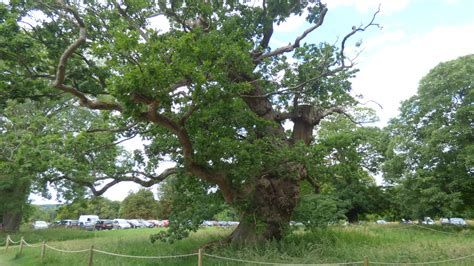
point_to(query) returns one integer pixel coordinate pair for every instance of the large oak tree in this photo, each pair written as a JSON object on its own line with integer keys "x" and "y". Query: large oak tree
{"x": 209, "y": 94}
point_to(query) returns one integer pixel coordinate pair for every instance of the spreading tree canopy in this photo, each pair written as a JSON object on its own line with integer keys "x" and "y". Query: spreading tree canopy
{"x": 430, "y": 155}
{"x": 210, "y": 94}
{"x": 44, "y": 146}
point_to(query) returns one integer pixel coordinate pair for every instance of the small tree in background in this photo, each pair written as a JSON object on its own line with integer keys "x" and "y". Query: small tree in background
{"x": 104, "y": 208}
{"x": 141, "y": 204}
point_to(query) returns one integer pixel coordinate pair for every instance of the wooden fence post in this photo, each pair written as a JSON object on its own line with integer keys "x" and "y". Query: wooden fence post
{"x": 91, "y": 256}
{"x": 366, "y": 261}
{"x": 43, "y": 249}
{"x": 7, "y": 243}
{"x": 21, "y": 246}
{"x": 200, "y": 257}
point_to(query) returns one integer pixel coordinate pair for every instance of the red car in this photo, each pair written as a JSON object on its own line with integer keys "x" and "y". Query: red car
{"x": 104, "y": 225}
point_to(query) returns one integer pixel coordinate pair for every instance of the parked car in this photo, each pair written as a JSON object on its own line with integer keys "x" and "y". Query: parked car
{"x": 381, "y": 222}
{"x": 209, "y": 223}
{"x": 146, "y": 223}
{"x": 163, "y": 223}
{"x": 444, "y": 221}
{"x": 87, "y": 226}
{"x": 223, "y": 223}
{"x": 135, "y": 223}
{"x": 457, "y": 221}
{"x": 427, "y": 220}
{"x": 40, "y": 225}
{"x": 104, "y": 225}
{"x": 66, "y": 223}
{"x": 88, "y": 220}
{"x": 121, "y": 224}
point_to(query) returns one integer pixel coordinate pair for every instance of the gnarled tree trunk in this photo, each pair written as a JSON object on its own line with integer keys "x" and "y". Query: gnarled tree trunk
{"x": 12, "y": 220}
{"x": 269, "y": 210}
{"x": 12, "y": 205}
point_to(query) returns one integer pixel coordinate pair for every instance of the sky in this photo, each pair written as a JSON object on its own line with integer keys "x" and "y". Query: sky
{"x": 416, "y": 35}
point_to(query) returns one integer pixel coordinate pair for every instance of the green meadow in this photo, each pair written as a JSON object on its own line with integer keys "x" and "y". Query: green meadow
{"x": 380, "y": 243}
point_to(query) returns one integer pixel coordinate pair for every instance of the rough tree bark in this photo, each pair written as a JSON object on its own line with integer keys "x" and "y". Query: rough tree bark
{"x": 270, "y": 208}
{"x": 12, "y": 220}
{"x": 13, "y": 205}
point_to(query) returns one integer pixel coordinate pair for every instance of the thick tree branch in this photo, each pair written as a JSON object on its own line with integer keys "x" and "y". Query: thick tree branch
{"x": 101, "y": 191}
{"x": 321, "y": 114}
{"x": 131, "y": 176}
{"x": 61, "y": 71}
{"x": 191, "y": 166}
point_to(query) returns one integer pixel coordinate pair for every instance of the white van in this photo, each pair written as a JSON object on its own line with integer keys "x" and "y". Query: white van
{"x": 88, "y": 219}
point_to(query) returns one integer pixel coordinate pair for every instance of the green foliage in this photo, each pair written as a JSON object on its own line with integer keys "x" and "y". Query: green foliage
{"x": 228, "y": 214}
{"x": 44, "y": 146}
{"x": 318, "y": 211}
{"x": 429, "y": 159}
{"x": 141, "y": 204}
{"x": 104, "y": 208}
{"x": 343, "y": 158}
{"x": 210, "y": 95}
{"x": 191, "y": 201}
{"x": 40, "y": 213}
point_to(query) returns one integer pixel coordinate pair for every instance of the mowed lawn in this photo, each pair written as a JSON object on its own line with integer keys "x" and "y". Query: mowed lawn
{"x": 380, "y": 243}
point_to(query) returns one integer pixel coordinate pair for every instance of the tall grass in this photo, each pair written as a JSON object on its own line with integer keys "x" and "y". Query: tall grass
{"x": 383, "y": 243}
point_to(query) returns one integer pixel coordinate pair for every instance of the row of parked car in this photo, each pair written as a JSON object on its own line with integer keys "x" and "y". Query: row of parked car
{"x": 220, "y": 223}
{"x": 429, "y": 221}
{"x": 101, "y": 224}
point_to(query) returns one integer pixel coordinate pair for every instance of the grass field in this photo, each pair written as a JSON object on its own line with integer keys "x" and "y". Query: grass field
{"x": 381, "y": 243}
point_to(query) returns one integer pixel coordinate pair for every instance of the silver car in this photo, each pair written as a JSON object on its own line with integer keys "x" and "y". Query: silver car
{"x": 457, "y": 221}
{"x": 40, "y": 225}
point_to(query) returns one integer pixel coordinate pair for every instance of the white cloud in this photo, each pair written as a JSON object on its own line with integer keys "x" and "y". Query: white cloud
{"x": 391, "y": 73}
{"x": 383, "y": 39}
{"x": 121, "y": 190}
{"x": 292, "y": 24}
{"x": 365, "y": 6}
{"x": 159, "y": 23}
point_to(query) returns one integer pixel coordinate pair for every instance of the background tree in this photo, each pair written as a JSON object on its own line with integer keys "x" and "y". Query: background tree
{"x": 21, "y": 130}
{"x": 42, "y": 213}
{"x": 210, "y": 94}
{"x": 166, "y": 195}
{"x": 346, "y": 157}
{"x": 44, "y": 146}
{"x": 429, "y": 160}
{"x": 104, "y": 208}
{"x": 141, "y": 204}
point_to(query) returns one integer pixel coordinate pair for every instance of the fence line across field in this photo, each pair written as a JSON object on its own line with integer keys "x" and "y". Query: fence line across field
{"x": 11, "y": 240}
{"x": 22, "y": 243}
{"x": 280, "y": 263}
{"x": 66, "y": 251}
{"x": 145, "y": 257}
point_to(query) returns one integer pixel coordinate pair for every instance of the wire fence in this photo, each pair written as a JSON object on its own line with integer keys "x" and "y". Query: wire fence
{"x": 200, "y": 255}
